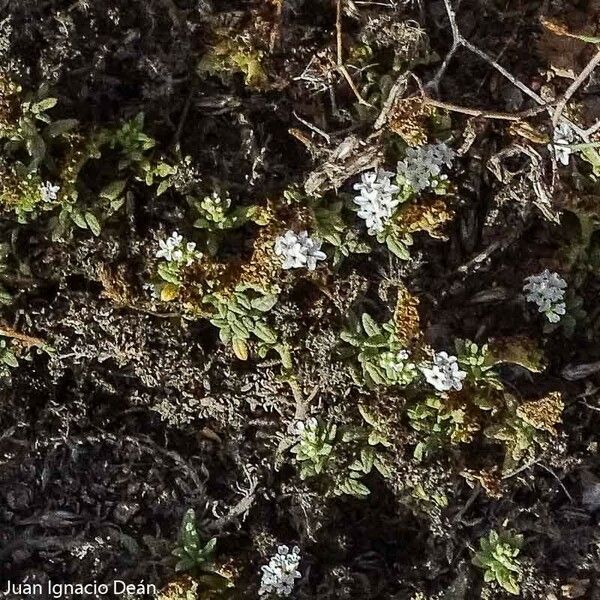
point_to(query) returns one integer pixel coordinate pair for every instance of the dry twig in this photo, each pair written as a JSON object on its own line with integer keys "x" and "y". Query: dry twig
{"x": 587, "y": 71}
{"x": 340, "y": 59}
{"x": 24, "y": 339}
{"x": 459, "y": 40}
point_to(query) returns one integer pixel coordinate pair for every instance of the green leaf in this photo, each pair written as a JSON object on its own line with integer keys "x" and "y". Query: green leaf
{"x": 375, "y": 373}
{"x": 264, "y": 303}
{"x": 350, "y": 338}
{"x": 185, "y": 564}
{"x": 239, "y": 330}
{"x": 398, "y": 248}
{"x": 353, "y": 487}
{"x": 367, "y": 458}
{"x": 163, "y": 186}
{"x": 165, "y": 271}
{"x": 369, "y": 325}
{"x": 242, "y": 301}
{"x": 265, "y": 333}
{"x": 8, "y": 358}
{"x": 93, "y": 223}
{"x": 382, "y": 466}
{"x": 224, "y": 334}
{"x": 78, "y": 218}
{"x": 43, "y": 105}
{"x": 286, "y": 357}
{"x": 113, "y": 190}
{"x": 376, "y": 341}
{"x": 367, "y": 416}
{"x": 240, "y": 348}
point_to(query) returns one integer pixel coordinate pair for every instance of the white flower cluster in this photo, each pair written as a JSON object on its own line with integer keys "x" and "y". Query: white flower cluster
{"x": 49, "y": 192}
{"x": 174, "y": 250}
{"x": 279, "y": 576}
{"x": 377, "y": 200}
{"x": 444, "y": 373}
{"x": 547, "y": 290}
{"x": 422, "y": 166}
{"x": 299, "y": 250}
{"x": 563, "y": 136}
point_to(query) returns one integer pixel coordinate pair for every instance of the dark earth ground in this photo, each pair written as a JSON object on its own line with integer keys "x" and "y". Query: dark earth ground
{"x": 94, "y": 480}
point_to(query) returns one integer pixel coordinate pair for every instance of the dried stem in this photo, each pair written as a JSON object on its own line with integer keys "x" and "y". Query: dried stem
{"x": 474, "y": 112}
{"x": 459, "y": 40}
{"x": 587, "y": 71}
{"x": 340, "y": 58}
{"x": 26, "y": 340}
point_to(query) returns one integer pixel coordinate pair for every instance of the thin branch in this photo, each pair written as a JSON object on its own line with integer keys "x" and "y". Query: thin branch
{"x": 26, "y": 340}
{"x": 593, "y": 129}
{"x": 459, "y": 40}
{"x": 342, "y": 69}
{"x": 578, "y": 146}
{"x": 526, "y": 90}
{"x": 474, "y": 112}
{"x": 587, "y": 71}
{"x": 399, "y": 84}
{"x": 313, "y": 127}
{"x": 562, "y": 485}
{"x": 338, "y": 32}
{"x": 340, "y": 58}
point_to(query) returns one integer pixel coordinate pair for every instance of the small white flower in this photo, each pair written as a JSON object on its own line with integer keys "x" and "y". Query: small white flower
{"x": 279, "y": 576}
{"x": 49, "y": 192}
{"x": 377, "y": 200}
{"x": 299, "y": 250}
{"x": 563, "y": 136}
{"x": 173, "y": 250}
{"x": 422, "y": 166}
{"x": 444, "y": 373}
{"x": 547, "y": 290}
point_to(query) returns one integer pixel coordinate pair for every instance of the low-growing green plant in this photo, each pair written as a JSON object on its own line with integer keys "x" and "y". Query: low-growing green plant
{"x": 33, "y": 129}
{"x": 474, "y": 360}
{"x": 442, "y": 422}
{"x": 215, "y": 215}
{"x": 131, "y": 141}
{"x": 382, "y": 359}
{"x": 526, "y": 429}
{"x": 342, "y": 456}
{"x": 497, "y": 556}
{"x": 367, "y": 444}
{"x": 176, "y": 255}
{"x": 153, "y": 171}
{"x": 328, "y": 223}
{"x": 191, "y": 551}
{"x": 314, "y": 447}
{"x": 197, "y": 557}
{"x": 240, "y": 317}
